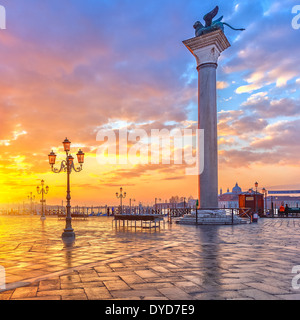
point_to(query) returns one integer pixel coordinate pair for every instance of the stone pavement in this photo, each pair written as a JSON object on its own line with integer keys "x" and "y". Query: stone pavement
{"x": 174, "y": 263}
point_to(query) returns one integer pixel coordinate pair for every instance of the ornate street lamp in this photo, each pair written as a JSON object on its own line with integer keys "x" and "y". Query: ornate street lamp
{"x": 256, "y": 202}
{"x": 159, "y": 199}
{"x": 121, "y": 196}
{"x": 67, "y": 166}
{"x": 42, "y": 191}
{"x": 130, "y": 204}
{"x": 31, "y": 199}
{"x": 265, "y": 192}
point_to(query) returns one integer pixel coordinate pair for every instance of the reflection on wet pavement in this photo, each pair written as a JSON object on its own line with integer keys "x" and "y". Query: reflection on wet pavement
{"x": 205, "y": 262}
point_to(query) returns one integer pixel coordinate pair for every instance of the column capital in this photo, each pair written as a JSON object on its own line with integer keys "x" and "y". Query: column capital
{"x": 208, "y": 47}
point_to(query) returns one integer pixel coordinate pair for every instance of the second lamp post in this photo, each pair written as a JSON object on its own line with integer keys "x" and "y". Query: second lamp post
{"x": 121, "y": 196}
{"x": 67, "y": 166}
{"x": 31, "y": 199}
{"x": 256, "y": 202}
{"x": 42, "y": 191}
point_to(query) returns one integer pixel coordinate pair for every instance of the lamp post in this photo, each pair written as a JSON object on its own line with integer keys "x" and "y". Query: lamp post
{"x": 130, "y": 203}
{"x": 67, "y": 166}
{"x": 42, "y": 191}
{"x": 121, "y": 196}
{"x": 272, "y": 206}
{"x": 159, "y": 199}
{"x": 31, "y": 199}
{"x": 265, "y": 192}
{"x": 256, "y": 204}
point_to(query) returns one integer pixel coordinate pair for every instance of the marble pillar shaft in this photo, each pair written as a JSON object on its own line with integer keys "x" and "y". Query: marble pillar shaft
{"x": 207, "y": 49}
{"x": 207, "y": 121}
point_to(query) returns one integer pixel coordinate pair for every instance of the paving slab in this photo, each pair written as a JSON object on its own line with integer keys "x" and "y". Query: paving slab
{"x": 176, "y": 262}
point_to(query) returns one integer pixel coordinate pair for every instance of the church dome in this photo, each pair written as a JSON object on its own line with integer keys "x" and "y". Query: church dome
{"x": 236, "y": 189}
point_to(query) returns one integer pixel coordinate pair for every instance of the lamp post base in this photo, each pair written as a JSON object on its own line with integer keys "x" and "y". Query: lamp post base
{"x": 68, "y": 234}
{"x": 43, "y": 218}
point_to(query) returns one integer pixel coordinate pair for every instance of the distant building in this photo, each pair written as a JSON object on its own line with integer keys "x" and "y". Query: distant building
{"x": 230, "y": 199}
{"x": 292, "y": 202}
{"x": 236, "y": 189}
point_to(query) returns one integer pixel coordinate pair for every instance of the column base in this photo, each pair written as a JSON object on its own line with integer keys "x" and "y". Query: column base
{"x": 69, "y": 234}
{"x": 43, "y": 218}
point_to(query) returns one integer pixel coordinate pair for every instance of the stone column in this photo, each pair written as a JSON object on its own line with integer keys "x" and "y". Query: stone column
{"x": 207, "y": 49}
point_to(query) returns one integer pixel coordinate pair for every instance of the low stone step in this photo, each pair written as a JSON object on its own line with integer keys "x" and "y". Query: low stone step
{"x": 210, "y": 219}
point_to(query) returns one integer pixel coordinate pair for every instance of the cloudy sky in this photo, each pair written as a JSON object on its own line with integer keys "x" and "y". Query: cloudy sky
{"x": 71, "y": 68}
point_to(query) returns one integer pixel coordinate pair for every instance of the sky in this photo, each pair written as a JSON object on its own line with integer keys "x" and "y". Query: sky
{"x": 71, "y": 68}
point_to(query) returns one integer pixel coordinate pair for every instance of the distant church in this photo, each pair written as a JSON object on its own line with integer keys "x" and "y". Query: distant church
{"x": 230, "y": 199}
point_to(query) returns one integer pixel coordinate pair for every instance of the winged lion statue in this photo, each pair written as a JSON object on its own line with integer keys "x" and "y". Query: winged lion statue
{"x": 211, "y": 25}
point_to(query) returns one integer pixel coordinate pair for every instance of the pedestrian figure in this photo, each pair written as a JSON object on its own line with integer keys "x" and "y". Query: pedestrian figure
{"x": 281, "y": 210}
{"x": 286, "y": 210}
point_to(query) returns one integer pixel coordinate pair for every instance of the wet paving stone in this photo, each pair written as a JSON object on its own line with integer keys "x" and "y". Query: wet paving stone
{"x": 175, "y": 262}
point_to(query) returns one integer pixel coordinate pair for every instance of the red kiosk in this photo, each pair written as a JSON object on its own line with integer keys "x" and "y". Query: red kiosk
{"x": 254, "y": 201}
